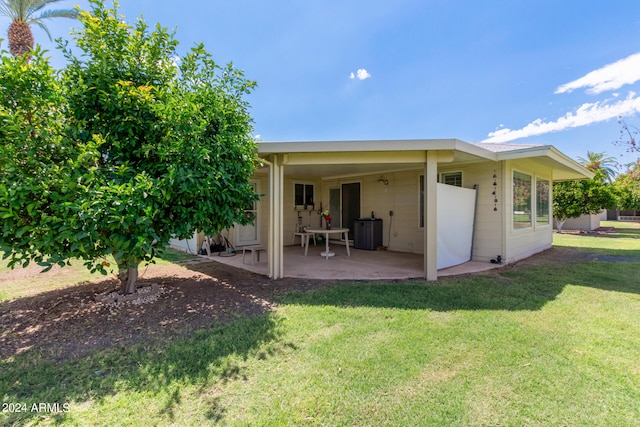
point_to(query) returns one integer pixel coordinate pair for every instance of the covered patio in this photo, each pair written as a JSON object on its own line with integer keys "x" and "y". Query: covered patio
{"x": 345, "y": 178}
{"x": 361, "y": 265}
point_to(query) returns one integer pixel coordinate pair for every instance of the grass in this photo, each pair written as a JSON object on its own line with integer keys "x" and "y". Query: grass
{"x": 537, "y": 346}
{"x": 625, "y": 242}
{"x": 30, "y": 281}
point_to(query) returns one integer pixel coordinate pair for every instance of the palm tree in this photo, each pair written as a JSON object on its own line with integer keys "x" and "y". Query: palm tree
{"x": 23, "y": 13}
{"x": 598, "y": 162}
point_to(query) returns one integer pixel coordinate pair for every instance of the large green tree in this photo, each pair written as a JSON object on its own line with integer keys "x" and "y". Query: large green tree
{"x": 572, "y": 199}
{"x": 23, "y": 14}
{"x": 627, "y": 186}
{"x": 133, "y": 145}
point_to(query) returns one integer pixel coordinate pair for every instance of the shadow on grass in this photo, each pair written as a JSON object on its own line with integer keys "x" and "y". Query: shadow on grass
{"x": 202, "y": 359}
{"x": 510, "y": 289}
{"x": 595, "y": 243}
{"x": 604, "y": 254}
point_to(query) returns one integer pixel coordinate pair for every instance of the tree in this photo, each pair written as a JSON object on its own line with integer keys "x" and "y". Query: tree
{"x": 598, "y": 162}
{"x": 572, "y": 199}
{"x": 628, "y": 135}
{"x": 23, "y": 14}
{"x": 627, "y": 186}
{"x": 140, "y": 147}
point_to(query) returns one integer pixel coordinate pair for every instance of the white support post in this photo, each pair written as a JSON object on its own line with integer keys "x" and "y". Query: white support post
{"x": 275, "y": 254}
{"x": 430, "y": 216}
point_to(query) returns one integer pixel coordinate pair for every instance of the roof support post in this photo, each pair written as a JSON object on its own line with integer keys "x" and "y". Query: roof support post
{"x": 275, "y": 251}
{"x": 430, "y": 216}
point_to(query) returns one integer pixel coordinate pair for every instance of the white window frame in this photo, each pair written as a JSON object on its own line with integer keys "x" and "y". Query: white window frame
{"x": 531, "y": 201}
{"x": 305, "y": 185}
{"x": 443, "y": 176}
{"x": 549, "y": 203}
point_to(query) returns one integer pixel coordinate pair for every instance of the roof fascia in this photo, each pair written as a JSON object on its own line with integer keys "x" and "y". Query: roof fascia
{"x": 547, "y": 151}
{"x": 265, "y": 148}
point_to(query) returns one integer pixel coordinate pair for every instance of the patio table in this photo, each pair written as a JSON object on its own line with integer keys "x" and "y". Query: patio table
{"x": 327, "y": 253}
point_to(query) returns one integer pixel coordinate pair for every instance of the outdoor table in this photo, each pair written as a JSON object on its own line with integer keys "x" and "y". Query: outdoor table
{"x": 327, "y": 253}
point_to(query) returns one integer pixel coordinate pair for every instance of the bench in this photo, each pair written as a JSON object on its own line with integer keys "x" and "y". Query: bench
{"x": 255, "y": 253}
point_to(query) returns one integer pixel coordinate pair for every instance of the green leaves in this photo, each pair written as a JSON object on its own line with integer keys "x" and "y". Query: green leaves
{"x": 572, "y": 199}
{"x": 122, "y": 150}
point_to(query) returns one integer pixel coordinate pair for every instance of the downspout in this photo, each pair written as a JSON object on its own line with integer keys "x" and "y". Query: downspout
{"x": 475, "y": 217}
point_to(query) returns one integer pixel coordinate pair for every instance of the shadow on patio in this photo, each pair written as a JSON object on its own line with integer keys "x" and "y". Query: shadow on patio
{"x": 361, "y": 265}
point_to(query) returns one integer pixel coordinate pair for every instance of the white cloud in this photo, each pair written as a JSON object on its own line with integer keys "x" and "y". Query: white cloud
{"x": 610, "y": 77}
{"x": 586, "y": 114}
{"x": 361, "y": 74}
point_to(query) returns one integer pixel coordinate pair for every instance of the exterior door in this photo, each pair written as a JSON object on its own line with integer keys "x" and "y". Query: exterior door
{"x": 350, "y": 205}
{"x": 249, "y": 234}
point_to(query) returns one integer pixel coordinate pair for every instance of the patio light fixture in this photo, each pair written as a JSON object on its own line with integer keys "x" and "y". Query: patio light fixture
{"x": 383, "y": 180}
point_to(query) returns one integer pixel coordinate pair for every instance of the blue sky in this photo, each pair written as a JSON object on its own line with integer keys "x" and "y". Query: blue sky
{"x": 543, "y": 72}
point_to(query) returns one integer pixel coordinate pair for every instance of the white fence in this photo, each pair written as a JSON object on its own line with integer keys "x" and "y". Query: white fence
{"x": 628, "y": 218}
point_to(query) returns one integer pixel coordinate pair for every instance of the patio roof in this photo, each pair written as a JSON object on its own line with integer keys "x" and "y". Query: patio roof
{"x": 332, "y": 159}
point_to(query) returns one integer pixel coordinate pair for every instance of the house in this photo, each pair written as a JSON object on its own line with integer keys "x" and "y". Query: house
{"x": 446, "y": 199}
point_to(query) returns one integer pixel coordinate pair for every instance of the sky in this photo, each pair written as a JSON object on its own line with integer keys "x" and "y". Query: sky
{"x": 533, "y": 72}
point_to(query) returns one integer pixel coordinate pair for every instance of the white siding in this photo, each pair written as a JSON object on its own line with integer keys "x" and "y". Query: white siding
{"x": 488, "y": 233}
{"x": 191, "y": 245}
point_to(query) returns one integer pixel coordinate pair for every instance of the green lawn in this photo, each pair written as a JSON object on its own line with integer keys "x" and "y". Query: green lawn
{"x": 538, "y": 346}
{"x": 31, "y": 280}
{"x": 625, "y": 242}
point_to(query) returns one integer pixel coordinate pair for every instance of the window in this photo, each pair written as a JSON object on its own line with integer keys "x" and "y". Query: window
{"x": 452, "y": 178}
{"x": 303, "y": 195}
{"x": 521, "y": 200}
{"x": 542, "y": 202}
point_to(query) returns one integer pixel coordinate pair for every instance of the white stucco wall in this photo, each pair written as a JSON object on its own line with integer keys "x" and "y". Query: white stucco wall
{"x": 585, "y": 222}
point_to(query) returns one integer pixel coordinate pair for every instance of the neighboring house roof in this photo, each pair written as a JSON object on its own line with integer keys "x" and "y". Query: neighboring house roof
{"x": 412, "y": 151}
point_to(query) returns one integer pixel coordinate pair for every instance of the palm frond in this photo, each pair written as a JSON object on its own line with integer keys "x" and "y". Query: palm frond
{"x": 42, "y": 26}
{"x": 58, "y": 13}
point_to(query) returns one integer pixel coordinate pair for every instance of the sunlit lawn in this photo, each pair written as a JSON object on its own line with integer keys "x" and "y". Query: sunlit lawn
{"x": 24, "y": 282}
{"x": 624, "y": 242}
{"x": 539, "y": 346}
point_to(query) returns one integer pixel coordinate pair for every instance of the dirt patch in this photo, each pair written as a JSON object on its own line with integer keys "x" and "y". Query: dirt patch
{"x": 69, "y": 322}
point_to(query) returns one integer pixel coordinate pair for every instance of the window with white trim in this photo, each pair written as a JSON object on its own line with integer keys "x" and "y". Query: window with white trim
{"x": 303, "y": 195}
{"x": 521, "y": 200}
{"x": 451, "y": 178}
{"x": 543, "y": 208}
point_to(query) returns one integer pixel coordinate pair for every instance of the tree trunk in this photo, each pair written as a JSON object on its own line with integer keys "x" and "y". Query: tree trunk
{"x": 20, "y": 38}
{"x": 559, "y": 225}
{"x": 128, "y": 276}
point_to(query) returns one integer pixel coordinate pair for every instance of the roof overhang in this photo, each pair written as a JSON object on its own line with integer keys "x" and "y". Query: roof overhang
{"x": 330, "y": 159}
{"x": 564, "y": 168}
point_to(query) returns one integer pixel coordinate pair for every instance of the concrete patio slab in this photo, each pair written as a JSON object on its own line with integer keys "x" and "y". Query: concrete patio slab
{"x": 361, "y": 265}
